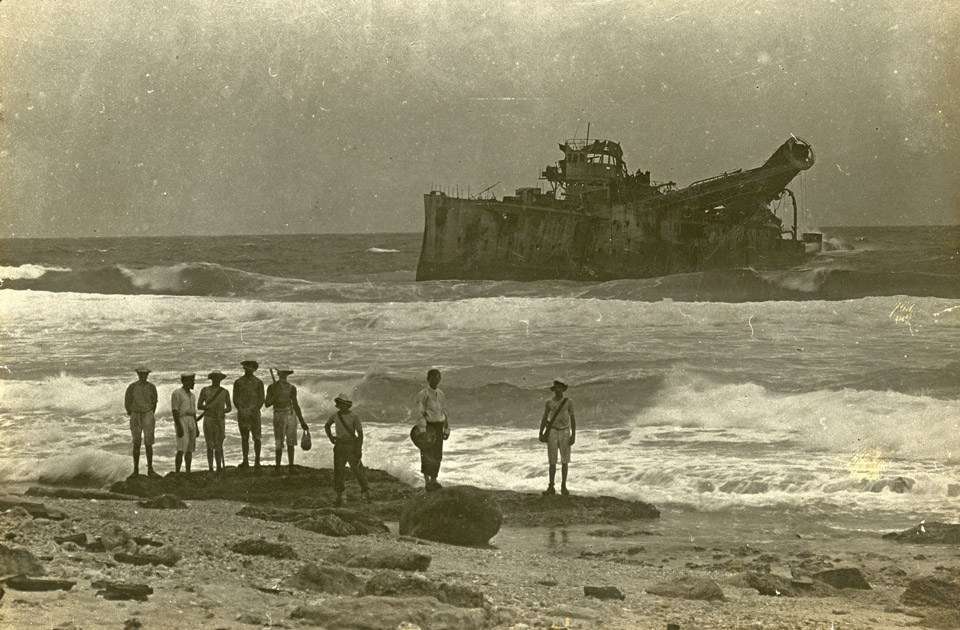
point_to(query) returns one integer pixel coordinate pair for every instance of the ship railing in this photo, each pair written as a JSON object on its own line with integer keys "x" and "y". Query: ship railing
{"x": 716, "y": 177}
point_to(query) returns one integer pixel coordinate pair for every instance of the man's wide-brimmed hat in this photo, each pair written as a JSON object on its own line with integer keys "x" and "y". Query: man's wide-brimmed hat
{"x": 186, "y": 375}
{"x": 284, "y": 371}
{"x": 216, "y": 375}
{"x": 142, "y": 370}
{"x": 250, "y": 363}
{"x": 343, "y": 398}
{"x": 558, "y": 385}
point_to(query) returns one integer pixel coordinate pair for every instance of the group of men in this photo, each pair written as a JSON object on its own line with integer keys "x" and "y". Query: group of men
{"x": 343, "y": 428}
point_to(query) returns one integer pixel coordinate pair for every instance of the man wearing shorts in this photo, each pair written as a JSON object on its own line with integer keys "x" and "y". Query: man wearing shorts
{"x": 248, "y": 398}
{"x": 214, "y": 401}
{"x": 282, "y": 396}
{"x": 560, "y": 426}
{"x": 140, "y": 402}
{"x": 183, "y": 405}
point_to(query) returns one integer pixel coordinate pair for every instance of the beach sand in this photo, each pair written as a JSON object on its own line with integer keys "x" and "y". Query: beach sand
{"x": 532, "y": 575}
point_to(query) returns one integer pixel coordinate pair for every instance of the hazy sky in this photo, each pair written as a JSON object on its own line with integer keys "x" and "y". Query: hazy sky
{"x": 202, "y": 117}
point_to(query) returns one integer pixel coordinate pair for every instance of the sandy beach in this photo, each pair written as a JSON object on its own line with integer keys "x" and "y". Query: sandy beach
{"x": 532, "y": 574}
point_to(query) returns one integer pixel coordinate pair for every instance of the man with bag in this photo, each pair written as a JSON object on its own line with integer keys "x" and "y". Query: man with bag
{"x": 183, "y": 404}
{"x": 215, "y": 403}
{"x": 558, "y": 428}
{"x": 282, "y": 396}
{"x": 347, "y": 447}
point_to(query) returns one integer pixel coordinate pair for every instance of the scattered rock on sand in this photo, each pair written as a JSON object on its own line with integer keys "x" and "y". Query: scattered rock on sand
{"x": 260, "y": 547}
{"x": 79, "y": 493}
{"x": 928, "y": 533}
{"x": 77, "y": 539}
{"x": 405, "y": 585}
{"x": 402, "y": 560}
{"x": 253, "y": 619}
{"x": 36, "y": 510}
{"x": 163, "y": 502}
{"x": 24, "y": 583}
{"x": 122, "y": 590}
{"x": 374, "y": 612}
{"x": 329, "y": 525}
{"x": 18, "y": 561}
{"x": 848, "y": 577}
{"x": 603, "y": 592}
{"x": 688, "y": 587}
{"x": 459, "y": 515}
{"x": 113, "y": 537}
{"x": 168, "y": 556}
{"x": 932, "y": 591}
{"x": 769, "y": 584}
{"x": 324, "y": 579}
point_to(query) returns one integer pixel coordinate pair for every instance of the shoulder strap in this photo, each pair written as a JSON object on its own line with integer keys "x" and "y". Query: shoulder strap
{"x": 556, "y": 412}
{"x": 351, "y": 430}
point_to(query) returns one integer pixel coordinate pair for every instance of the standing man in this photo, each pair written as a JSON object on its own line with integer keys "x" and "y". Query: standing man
{"x": 214, "y": 401}
{"x": 347, "y": 447}
{"x": 559, "y": 425}
{"x": 432, "y": 406}
{"x": 140, "y": 402}
{"x": 183, "y": 405}
{"x": 248, "y": 398}
{"x": 282, "y": 396}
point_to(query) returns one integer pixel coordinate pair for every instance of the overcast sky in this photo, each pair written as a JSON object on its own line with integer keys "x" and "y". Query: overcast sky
{"x": 199, "y": 117}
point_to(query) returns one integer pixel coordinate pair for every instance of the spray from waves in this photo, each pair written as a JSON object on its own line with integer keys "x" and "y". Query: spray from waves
{"x": 82, "y": 467}
{"x": 27, "y": 272}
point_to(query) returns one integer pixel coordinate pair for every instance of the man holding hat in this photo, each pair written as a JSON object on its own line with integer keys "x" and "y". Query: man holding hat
{"x": 215, "y": 403}
{"x": 282, "y": 396}
{"x": 140, "y": 402}
{"x": 248, "y": 398}
{"x": 183, "y": 405}
{"x": 559, "y": 426}
{"x": 347, "y": 447}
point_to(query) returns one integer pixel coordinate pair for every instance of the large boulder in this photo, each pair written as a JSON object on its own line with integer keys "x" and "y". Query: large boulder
{"x": 932, "y": 533}
{"x": 458, "y": 515}
{"x": 688, "y": 587}
{"x": 932, "y": 591}
{"x": 847, "y": 577}
{"x": 376, "y": 613}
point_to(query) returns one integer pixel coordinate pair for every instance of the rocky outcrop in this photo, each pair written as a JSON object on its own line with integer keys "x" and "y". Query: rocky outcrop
{"x": 260, "y": 547}
{"x": 324, "y": 579}
{"x": 688, "y": 587}
{"x": 933, "y": 592}
{"x": 458, "y": 515}
{"x": 163, "y": 502}
{"x": 400, "y": 560}
{"x": 932, "y": 533}
{"x": 330, "y": 522}
{"x": 24, "y": 583}
{"x": 375, "y": 613}
{"x": 770, "y": 584}
{"x": 167, "y": 556}
{"x": 603, "y": 592}
{"x": 522, "y": 509}
{"x": 407, "y": 585}
{"x": 122, "y": 590}
{"x": 15, "y": 561}
{"x": 34, "y": 509}
{"x": 848, "y": 577}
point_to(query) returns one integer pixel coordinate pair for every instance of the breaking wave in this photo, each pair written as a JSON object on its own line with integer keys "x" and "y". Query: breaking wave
{"x": 27, "y": 272}
{"x": 381, "y": 250}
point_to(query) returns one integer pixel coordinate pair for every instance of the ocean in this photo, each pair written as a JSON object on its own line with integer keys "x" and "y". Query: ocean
{"x": 831, "y": 390}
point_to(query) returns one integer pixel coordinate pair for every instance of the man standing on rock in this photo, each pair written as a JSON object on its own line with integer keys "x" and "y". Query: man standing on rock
{"x": 183, "y": 405}
{"x": 432, "y": 406}
{"x": 282, "y": 396}
{"x": 559, "y": 426}
{"x": 248, "y": 397}
{"x": 347, "y": 447}
{"x": 140, "y": 402}
{"x": 214, "y": 401}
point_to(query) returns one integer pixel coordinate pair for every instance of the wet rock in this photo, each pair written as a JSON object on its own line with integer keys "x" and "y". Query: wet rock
{"x": 77, "y": 539}
{"x": 847, "y": 577}
{"x": 260, "y": 547}
{"x": 163, "y": 502}
{"x": 324, "y": 579}
{"x": 401, "y": 560}
{"x": 405, "y": 585}
{"x": 79, "y": 493}
{"x": 327, "y": 521}
{"x": 458, "y": 515}
{"x": 899, "y": 485}
{"x": 15, "y": 561}
{"x": 603, "y": 592}
{"x": 114, "y": 537}
{"x": 688, "y": 587}
{"x": 932, "y": 591}
{"x": 36, "y": 510}
{"x": 928, "y": 533}
{"x": 24, "y": 583}
{"x": 375, "y": 613}
{"x": 122, "y": 590}
{"x": 167, "y": 556}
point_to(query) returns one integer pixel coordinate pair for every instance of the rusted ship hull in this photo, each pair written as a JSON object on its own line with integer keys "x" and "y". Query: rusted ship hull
{"x": 720, "y": 223}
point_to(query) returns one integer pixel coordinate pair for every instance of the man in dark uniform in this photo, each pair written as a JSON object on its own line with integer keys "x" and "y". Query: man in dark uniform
{"x": 248, "y": 397}
{"x": 282, "y": 396}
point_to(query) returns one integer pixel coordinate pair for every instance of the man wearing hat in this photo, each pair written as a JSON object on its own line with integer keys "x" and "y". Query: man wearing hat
{"x": 248, "y": 398}
{"x": 214, "y": 401}
{"x": 140, "y": 402}
{"x": 282, "y": 396}
{"x": 559, "y": 426}
{"x": 347, "y": 447}
{"x": 183, "y": 405}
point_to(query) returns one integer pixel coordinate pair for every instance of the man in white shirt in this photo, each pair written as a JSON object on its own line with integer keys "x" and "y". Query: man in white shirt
{"x": 432, "y": 405}
{"x": 183, "y": 404}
